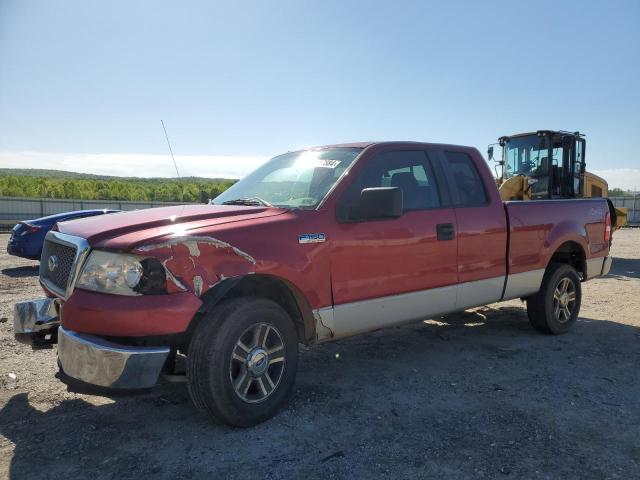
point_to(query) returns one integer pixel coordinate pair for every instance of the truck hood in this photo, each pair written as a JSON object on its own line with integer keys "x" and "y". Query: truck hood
{"x": 128, "y": 229}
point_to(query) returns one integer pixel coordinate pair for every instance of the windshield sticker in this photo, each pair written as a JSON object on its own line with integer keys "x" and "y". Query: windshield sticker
{"x": 312, "y": 238}
{"x": 328, "y": 163}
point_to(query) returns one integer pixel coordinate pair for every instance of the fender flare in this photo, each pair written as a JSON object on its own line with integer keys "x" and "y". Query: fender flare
{"x": 296, "y": 305}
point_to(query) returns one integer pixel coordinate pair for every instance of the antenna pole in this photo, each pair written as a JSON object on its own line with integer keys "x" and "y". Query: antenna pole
{"x": 170, "y": 149}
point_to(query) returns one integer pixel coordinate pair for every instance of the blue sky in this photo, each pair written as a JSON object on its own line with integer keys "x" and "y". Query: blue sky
{"x": 84, "y": 84}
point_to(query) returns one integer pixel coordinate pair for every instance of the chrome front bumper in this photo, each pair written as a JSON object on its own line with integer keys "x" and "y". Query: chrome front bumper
{"x": 99, "y": 362}
{"x": 36, "y": 322}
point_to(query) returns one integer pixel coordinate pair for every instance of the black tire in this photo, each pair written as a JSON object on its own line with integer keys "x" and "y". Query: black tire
{"x": 216, "y": 376}
{"x": 553, "y": 315}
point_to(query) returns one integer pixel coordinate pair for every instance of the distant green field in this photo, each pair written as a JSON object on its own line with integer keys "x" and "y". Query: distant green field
{"x": 62, "y": 184}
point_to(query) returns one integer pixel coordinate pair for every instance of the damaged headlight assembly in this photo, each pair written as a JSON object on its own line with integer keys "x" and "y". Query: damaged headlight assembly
{"x": 122, "y": 274}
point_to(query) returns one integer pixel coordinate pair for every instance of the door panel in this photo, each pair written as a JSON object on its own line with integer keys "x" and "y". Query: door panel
{"x": 372, "y": 262}
{"x": 482, "y": 232}
{"x": 382, "y": 258}
{"x": 482, "y": 246}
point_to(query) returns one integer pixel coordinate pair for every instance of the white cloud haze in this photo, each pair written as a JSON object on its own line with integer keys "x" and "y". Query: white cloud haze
{"x": 625, "y": 178}
{"x": 136, "y": 165}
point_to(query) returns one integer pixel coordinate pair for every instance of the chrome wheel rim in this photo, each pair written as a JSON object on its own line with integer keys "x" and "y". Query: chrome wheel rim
{"x": 257, "y": 363}
{"x": 564, "y": 300}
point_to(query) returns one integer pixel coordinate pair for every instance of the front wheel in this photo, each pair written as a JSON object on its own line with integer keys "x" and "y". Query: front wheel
{"x": 554, "y": 309}
{"x": 242, "y": 361}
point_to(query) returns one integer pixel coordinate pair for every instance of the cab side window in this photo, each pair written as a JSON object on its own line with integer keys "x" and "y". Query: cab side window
{"x": 408, "y": 170}
{"x": 464, "y": 181}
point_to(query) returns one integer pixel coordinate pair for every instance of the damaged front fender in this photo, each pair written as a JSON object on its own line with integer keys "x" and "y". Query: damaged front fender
{"x": 197, "y": 263}
{"x": 193, "y": 245}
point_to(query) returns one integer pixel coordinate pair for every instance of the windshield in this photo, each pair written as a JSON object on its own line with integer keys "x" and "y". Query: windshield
{"x": 529, "y": 156}
{"x": 526, "y": 156}
{"x": 293, "y": 180}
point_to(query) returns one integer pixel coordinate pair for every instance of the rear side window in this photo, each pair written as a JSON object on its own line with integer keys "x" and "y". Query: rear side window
{"x": 466, "y": 186}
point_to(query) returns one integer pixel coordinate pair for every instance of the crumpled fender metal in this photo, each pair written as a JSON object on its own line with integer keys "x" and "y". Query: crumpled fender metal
{"x": 217, "y": 293}
{"x": 198, "y": 262}
{"x": 321, "y": 317}
{"x": 190, "y": 261}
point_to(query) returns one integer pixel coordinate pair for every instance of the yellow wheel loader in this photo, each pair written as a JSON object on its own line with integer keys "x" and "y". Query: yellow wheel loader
{"x": 549, "y": 164}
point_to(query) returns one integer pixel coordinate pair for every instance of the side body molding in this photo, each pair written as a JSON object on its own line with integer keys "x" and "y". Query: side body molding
{"x": 367, "y": 315}
{"x": 353, "y": 318}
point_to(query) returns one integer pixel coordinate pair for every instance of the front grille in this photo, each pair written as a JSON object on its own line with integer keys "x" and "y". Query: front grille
{"x": 63, "y": 263}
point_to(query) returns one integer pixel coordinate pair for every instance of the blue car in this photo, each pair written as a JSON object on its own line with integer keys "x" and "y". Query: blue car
{"x": 27, "y": 237}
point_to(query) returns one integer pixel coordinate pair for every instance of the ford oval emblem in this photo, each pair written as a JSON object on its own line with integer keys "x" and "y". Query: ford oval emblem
{"x": 53, "y": 263}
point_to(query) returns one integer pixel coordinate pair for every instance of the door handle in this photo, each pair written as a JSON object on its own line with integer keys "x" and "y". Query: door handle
{"x": 445, "y": 231}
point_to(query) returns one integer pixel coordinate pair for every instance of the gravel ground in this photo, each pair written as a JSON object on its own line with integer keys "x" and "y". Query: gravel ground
{"x": 474, "y": 395}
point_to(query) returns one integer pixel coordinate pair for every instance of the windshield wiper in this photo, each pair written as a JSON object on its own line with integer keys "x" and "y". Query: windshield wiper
{"x": 250, "y": 201}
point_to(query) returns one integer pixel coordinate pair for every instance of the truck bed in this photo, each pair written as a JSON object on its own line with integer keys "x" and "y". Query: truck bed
{"x": 537, "y": 229}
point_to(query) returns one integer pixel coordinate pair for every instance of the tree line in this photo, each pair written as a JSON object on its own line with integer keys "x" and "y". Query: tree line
{"x": 114, "y": 188}
{"x": 618, "y": 192}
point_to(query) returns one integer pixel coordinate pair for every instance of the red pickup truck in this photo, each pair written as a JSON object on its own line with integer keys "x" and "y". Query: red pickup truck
{"x": 315, "y": 245}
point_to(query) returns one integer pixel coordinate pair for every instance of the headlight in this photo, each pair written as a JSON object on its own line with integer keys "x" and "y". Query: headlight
{"x": 122, "y": 274}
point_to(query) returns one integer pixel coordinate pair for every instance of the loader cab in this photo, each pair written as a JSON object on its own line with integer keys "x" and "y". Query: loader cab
{"x": 551, "y": 161}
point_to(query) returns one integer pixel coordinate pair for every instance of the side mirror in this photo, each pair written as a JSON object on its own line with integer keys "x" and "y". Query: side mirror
{"x": 378, "y": 203}
{"x": 490, "y": 152}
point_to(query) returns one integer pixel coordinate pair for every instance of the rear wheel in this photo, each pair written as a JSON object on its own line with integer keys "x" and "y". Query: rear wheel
{"x": 554, "y": 309}
{"x": 242, "y": 361}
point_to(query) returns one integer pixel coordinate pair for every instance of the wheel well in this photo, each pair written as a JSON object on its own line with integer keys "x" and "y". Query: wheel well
{"x": 262, "y": 286}
{"x": 572, "y": 254}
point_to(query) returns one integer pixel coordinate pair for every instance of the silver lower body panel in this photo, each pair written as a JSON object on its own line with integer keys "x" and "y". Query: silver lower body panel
{"x": 349, "y": 319}
{"x": 596, "y": 266}
{"x": 523, "y": 284}
{"x": 364, "y": 316}
{"x": 99, "y": 362}
{"x": 606, "y": 266}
